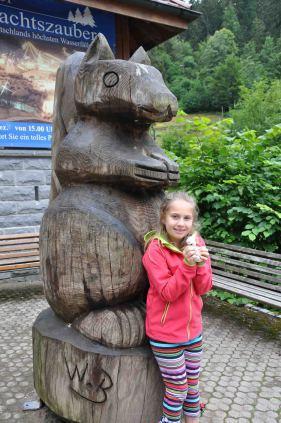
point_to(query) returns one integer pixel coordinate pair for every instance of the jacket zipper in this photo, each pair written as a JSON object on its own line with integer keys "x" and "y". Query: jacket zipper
{"x": 190, "y": 313}
{"x": 164, "y": 315}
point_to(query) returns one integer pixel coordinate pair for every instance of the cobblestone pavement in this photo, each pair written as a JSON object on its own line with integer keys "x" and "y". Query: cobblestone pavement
{"x": 240, "y": 381}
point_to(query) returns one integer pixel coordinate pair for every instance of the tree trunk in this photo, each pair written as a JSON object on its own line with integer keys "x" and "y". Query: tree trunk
{"x": 85, "y": 382}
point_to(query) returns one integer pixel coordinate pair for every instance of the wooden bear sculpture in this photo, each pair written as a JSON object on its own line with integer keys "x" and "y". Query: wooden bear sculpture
{"x": 107, "y": 184}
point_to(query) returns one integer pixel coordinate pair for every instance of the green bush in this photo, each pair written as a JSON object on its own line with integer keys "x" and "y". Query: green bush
{"x": 259, "y": 107}
{"x": 234, "y": 176}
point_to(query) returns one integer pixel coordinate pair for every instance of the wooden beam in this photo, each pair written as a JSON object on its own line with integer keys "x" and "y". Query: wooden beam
{"x": 19, "y": 266}
{"x": 17, "y": 247}
{"x": 122, "y": 37}
{"x": 132, "y": 10}
{"x": 17, "y": 236}
{"x": 148, "y": 34}
{"x": 29, "y": 253}
{"x": 19, "y": 241}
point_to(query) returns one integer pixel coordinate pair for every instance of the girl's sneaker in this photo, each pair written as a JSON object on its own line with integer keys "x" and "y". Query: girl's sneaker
{"x": 164, "y": 420}
{"x": 202, "y": 408}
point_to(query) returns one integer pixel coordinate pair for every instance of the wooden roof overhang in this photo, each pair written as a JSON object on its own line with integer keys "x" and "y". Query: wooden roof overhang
{"x": 144, "y": 23}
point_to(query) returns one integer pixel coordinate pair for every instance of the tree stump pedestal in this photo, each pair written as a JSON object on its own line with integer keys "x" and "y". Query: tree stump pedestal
{"x": 83, "y": 381}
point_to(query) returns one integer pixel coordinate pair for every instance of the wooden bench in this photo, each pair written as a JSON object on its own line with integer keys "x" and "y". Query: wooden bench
{"x": 254, "y": 274}
{"x": 19, "y": 251}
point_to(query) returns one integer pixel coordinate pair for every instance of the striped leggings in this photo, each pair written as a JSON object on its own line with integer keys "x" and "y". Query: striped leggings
{"x": 179, "y": 365}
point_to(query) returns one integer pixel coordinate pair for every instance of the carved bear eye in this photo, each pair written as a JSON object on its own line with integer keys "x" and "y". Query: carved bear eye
{"x": 110, "y": 79}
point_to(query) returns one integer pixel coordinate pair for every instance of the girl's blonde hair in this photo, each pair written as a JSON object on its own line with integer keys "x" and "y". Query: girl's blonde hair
{"x": 168, "y": 200}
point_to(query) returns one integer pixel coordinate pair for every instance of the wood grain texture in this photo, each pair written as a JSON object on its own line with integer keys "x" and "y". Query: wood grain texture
{"x": 133, "y": 10}
{"x": 119, "y": 327}
{"x": 250, "y": 257}
{"x": 20, "y": 241}
{"x": 18, "y": 236}
{"x": 14, "y": 247}
{"x": 261, "y": 295}
{"x": 20, "y": 266}
{"x": 108, "y": 180}
{"x": 244, "y": 271}
{"x": 250, "y": 281}
{"x": 19, "y": 251}
{"x": 252, "y": 273}
{"x": 91, "y": 247}
{"x": 84, "y": 382}
{"x": 253, "y": 251}
{"x": 107, "y": 186}
{"x": 123, "y": 37}
{"x": 65, "y": 114}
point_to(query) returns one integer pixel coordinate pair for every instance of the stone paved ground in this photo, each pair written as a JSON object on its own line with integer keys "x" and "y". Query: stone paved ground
{"x": 241, "y": 378}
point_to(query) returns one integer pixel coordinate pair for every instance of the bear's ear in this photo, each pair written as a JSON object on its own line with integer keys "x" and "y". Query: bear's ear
{"x": 140, "y": 56}
{"x": 99, "y": 49}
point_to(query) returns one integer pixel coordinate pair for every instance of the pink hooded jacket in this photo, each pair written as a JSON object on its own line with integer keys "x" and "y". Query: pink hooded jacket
{"x": 174, "y": 304}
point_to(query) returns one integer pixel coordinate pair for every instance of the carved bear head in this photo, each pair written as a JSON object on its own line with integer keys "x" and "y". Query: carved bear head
{"x": 133, "y": 89}
{"x": 105, "y": 139}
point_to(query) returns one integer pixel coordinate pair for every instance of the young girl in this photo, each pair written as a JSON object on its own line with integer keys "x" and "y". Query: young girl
{"x": 178, "y": 275}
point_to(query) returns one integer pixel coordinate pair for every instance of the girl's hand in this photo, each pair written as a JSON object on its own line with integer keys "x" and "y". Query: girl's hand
{"x": 204, "y": 254}
{"x": 190, "y": 253}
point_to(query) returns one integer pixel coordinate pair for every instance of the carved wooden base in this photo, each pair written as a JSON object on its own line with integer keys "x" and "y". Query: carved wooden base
{"x": 85, "y": 382}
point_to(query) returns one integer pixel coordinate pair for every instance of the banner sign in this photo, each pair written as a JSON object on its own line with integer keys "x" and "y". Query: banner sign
{"x": 55, "y": 22}
{"x": 27, "y": 134}
{"x": 35, "y": 37}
